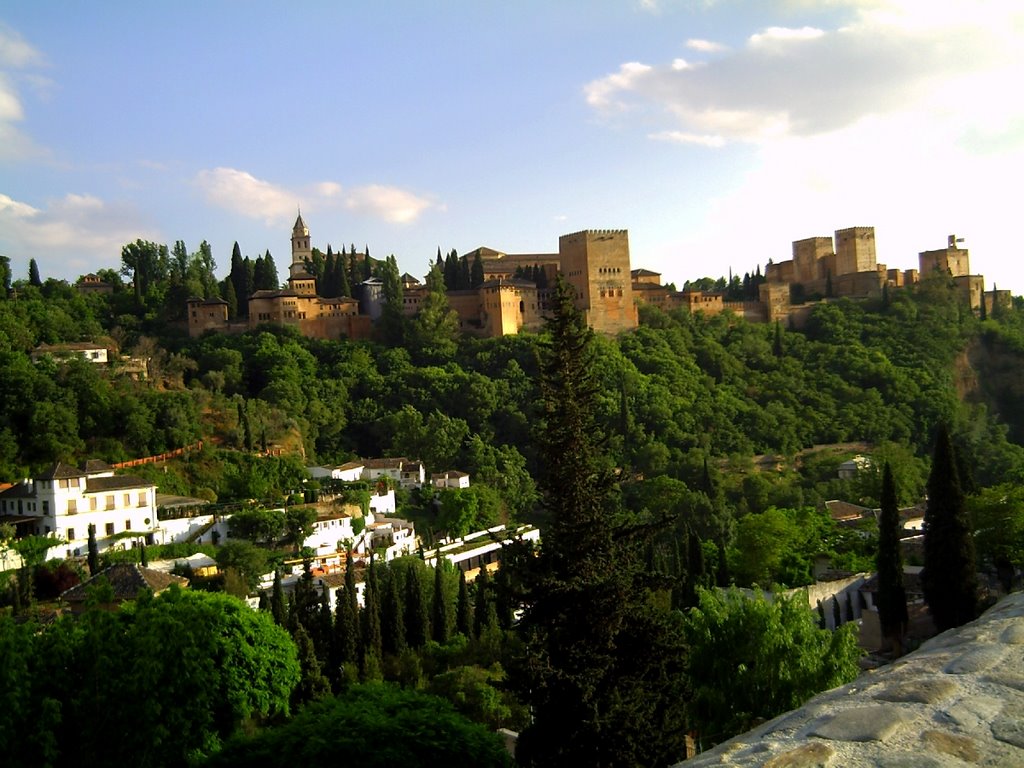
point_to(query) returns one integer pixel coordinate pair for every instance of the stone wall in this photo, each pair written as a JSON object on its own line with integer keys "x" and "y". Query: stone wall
{"x": 957, "y": 700}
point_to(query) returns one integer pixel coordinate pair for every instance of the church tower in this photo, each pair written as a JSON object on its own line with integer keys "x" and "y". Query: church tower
{"x": 301, "y": 250}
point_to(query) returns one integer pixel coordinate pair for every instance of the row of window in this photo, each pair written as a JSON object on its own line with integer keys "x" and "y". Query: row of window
{"x": 610, "y": 293}
{"x": 108, "y": 529}
{"x": 109, "y": 503}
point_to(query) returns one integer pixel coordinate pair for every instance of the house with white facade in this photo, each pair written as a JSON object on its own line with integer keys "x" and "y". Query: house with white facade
{"x": 348, "y": 472}
{"x": 92, "y": 353}
{"x": 402, "y": 471}
{"x": 450, "y": 479}
{"x": 65, "y": 500}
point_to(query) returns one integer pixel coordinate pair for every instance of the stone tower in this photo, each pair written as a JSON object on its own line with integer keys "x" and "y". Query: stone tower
{"x": 596, "y": 263}
{"x": 855, "y": 251}
{"x": 301, "y": 250}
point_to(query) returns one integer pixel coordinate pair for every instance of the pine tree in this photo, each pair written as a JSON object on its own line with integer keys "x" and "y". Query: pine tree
{"x": 949, "y": 578}
{"x": 312, "y": 684}
{"x": 94, "y": 552}
{"x": 602, "y": 666}
{"x": 476, "y": 275}
{"x": 439, "y": 619}
{"x": 371, "y": 649}
{"x": 33, "y": 274}
{"x": 392, "y": 619}
{"x": 892, "y": 599}
{"x": 484, "y": 615}
{"x": 416, "y": 627}
{"x": 463, "y": 611}
{"x": 278, "y": 604}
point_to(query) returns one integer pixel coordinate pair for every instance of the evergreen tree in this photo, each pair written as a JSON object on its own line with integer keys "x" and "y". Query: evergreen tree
{"x": 278, "y": 604}
{"x": 343, "y": 278}
{"x": 777, "y": 348}
{"x": 392, "y": 621}
{"x": 33, "y": 274}
{"x": 949, "y": 578}
{"x": 464, "y": 278}
{"x": 416, "y": 627}
{"x": 94, "y": 552}
{"x": 328, "y": 289}
{"x": 463, "y": 611}
{"x": 346, "y": 631}
{"x": 476, "y": 274}
{"x": 837, "y": 613}
{"x": 722, "y": 578}
{"x": 434, "y": 329}
{"x": 439, "y": 622}
{"x": 602, "y": 667}
{"x": 892, "y": 599}
{"x": 392, "y": 319}
{"x": 371, "y": 649}
{"x": 484, "y": 615}
{"x": 312, "y": 684}
{"x": 232, "y": 299}
{"x": 451, "y": 271}
{"x": 504, "y": 597}
{"x": 143, "y": 557}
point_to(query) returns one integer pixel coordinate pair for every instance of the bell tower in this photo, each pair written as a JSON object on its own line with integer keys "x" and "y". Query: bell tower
{"x": 301, "y": 250}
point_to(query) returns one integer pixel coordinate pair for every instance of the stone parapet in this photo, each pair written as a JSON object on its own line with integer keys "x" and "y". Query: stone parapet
{"x": 959, "y": 699}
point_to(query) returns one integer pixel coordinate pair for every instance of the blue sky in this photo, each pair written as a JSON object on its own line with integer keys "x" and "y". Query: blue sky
{"x": 715, "y": 131}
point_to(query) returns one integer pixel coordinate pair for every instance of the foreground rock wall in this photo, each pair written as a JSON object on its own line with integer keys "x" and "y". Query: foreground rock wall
{"x": 958, "y": 700}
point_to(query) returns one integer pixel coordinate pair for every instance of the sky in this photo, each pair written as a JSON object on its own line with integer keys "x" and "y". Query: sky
{"x": 716, "y": 131}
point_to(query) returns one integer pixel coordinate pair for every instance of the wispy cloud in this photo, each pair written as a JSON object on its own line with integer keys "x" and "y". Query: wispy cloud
{"x": 705, "y": 46}
{"x": 246, "y": 195}
{"x": 82, "y": 232}
{"x": 16, "y": 55}
{"x": 804, "y": 80}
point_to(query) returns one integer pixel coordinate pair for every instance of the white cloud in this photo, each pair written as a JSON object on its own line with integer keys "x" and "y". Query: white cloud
{"x": 680, "y": 137}
{"x": 244, "y": 194}
{"x": 805, "y": 81}
{"x": 600, "y": 93}
{"x": 75, "y": 233}
{"x": 16, "y": 54}
{"x": 392, "y": 204}
{"x": 705, "y": 46}
{"x": 782, "y": 36}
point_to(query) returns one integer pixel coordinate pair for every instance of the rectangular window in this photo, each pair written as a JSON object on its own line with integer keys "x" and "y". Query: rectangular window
{"x": 72, "y": 507}
{"x": 46, "y": 506}
{"x": 142, "y": 498}
{"x": 127, "y": 500}
{"x": 110, "y": 501}
{"x": 71, "y": 534}
{"x": 127, "y": 525}
{"x": 110, "y": 529}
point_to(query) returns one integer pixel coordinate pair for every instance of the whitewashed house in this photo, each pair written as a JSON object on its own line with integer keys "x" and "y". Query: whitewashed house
{"x": 63, "y": 501}
{"x": 348, "y": 472}
{"x": 450, "y": 479}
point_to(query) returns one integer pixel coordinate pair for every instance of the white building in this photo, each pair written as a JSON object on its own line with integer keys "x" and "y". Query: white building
{"x": 65, "y": 500}
{"x": 450, "y": 479}
{"x": 405, "y": 473}
{"x": 348, "y": 472}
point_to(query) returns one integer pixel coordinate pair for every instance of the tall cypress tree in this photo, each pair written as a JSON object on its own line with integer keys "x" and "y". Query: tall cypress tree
{"x": 94, "y": 552}
{"x": 602, "y": 666}
{"x": 416, "y": 626}
{"x": 392, "y": 620}
{"x": 439, "y": 629}
{"x": 484, "y": 615}
{"x": 949, "y": 578}
{"x": 892, "y": 598}
{"x": 278, "y": 605}
{"x": 33, "y": 273}
{"x": 371, "y": 650}
{"x": 463, "y": 611}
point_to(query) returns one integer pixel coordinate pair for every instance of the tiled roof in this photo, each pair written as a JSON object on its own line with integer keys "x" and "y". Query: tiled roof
{"x": 61, "y": 471}
{"x": 127, "y": 580}
{"x": 115, "y": 483}
{"x": 96, "y": 465}
{"x": 384, "y": 463}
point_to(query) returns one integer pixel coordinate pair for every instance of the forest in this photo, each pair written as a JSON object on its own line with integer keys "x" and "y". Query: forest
{"x": 720, "y": 438}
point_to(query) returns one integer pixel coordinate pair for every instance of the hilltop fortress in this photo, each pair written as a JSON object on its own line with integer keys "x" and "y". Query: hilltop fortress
{"x": 596, "y": 263}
